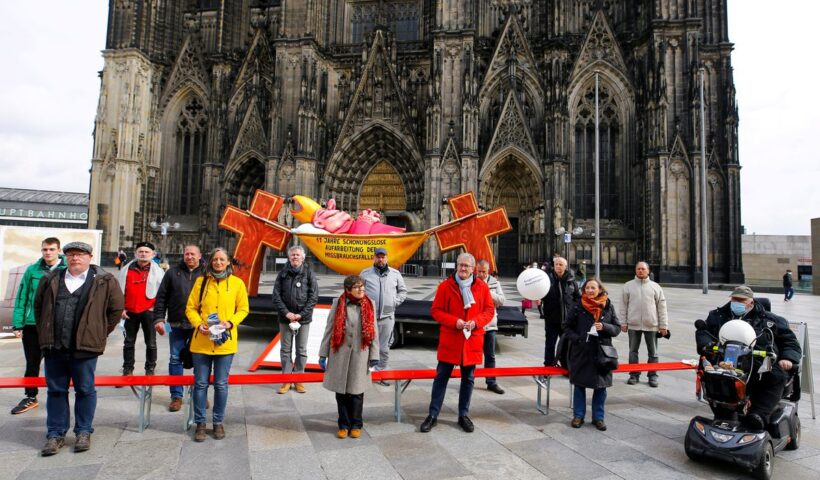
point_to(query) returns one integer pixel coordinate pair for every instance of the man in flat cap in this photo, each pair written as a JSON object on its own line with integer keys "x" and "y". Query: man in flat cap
{"x": 765, "y": 391}
{"x": 140, "y": 280}
{"x": 75, "y": 309}
{"x": 385, "y": 286}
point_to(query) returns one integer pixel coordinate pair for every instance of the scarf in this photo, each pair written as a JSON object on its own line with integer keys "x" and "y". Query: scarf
{"x": 221, "y": 275}
{"x": 367, "y": 319}
{"x": 294, "y": 271}
{"x": 466, "y": 293}
{"x": 595, "y": 306}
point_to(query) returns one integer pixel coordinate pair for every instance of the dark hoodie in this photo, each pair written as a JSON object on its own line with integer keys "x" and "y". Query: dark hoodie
{"x": 785, "y": 345}
{"x": 173, "y": 293}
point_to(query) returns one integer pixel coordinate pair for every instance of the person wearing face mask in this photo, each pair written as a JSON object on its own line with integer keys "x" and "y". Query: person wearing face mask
{"x": 765, "y": 391}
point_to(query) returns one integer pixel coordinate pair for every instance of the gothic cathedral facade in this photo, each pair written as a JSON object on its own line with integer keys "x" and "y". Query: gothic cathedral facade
{"x": 397, "y": 104}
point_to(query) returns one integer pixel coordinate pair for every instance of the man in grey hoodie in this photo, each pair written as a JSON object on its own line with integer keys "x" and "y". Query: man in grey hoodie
{"x": 482, "y": 271}
{"x": 385, "y": 286}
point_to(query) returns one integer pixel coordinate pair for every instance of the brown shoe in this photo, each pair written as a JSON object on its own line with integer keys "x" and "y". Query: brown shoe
{"x": 175, "y": 405}
{"x": 356, "y": 433}
{"x": 300, "y": 388}
{"x": 52, "y": 446}
{"x": 200, "y": 435}
{"x": 83, "y": 442}
{"x": 219, "y": 431}
{"x": 342, "y": 433}
{"x": 577, "y": 422}
{"x": 285, "y": 388}
{"x": 600, "y": 425}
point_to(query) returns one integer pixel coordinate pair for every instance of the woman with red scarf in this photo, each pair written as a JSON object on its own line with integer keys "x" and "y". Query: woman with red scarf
{"x": 594, "y": 313}
{"x": 349, "y": 347}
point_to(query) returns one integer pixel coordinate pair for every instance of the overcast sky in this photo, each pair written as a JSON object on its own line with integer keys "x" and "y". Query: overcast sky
{"x": 49, "y": 90}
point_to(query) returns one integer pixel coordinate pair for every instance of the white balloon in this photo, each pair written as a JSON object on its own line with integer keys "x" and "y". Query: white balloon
{"x": 533, "y": 284}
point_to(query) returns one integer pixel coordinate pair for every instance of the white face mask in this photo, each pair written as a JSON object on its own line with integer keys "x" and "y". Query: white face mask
{"x": 467, "y": 334}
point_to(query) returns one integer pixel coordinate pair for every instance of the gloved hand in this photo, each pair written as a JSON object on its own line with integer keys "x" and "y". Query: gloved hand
{"x": 323, "y": 363}
{"x": 373, "y": 363}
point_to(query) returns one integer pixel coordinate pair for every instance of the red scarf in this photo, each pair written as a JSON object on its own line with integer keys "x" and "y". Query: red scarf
{"x": 367, "y": 319}
{"x": 595, "y": 306}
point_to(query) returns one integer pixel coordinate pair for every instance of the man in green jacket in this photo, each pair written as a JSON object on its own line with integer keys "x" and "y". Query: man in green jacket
{"x": 24, "y": 323}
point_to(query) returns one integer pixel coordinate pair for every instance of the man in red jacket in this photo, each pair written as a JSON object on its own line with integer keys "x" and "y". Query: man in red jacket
{"x": 462, "y": 306}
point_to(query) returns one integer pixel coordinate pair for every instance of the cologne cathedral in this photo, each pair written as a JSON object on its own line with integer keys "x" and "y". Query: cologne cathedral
{"x": 395, "y": 105}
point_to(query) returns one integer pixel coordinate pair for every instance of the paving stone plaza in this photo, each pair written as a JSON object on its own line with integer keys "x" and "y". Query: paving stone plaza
{"x": 292, "y": 437}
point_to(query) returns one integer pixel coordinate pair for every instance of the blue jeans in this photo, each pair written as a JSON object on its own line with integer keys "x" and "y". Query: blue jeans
{"x": 60, "y": 369}
{"x": 202, "y": 371}
{"x": 443, "y": 372}
{"x": 176, "y": 340}
{"x": 579, "y": 402}
{"x": 489, "y": 353}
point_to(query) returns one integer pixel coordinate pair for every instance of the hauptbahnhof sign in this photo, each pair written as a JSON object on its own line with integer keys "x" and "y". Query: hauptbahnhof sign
{"x": 41, "y": 208}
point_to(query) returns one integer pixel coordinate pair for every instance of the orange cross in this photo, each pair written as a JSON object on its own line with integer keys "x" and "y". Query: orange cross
{"x": 472, "y": 229}
{"x": 257, "y": 229}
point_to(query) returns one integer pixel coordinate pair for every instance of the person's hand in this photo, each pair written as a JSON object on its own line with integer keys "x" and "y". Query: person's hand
{"x": 323, "y": 363}
{"x": 786, "y": 365}
{"x": 537, "y": 302}
{"x": 125, "y": 315}
{"x": 663, "y": 332}
{"x": 297, "y": 316}
{"x": 160, "y": 328}
{"x": 460, "y": 324}
{"x": 291, "y": 316}
{"x": 226, "y": 324}
{"x": 624, "y": 328}
{"x": 18, "y": 333}
{"x": 203, "y": 328}
{"x": 470, "y": 325}
{"x": 599, "y": 326}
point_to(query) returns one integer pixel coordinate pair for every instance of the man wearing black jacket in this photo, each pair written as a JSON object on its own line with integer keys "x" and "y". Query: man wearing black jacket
{"x": 172, "y": 298}
{"x": 766, "y": 392}
{"x": 561, "y": 297}
{"x": 295, "y": 293}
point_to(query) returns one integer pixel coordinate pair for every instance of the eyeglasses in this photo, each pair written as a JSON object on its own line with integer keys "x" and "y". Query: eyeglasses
{"x": 464, "y": 265}
{"x": 357, "y": 287}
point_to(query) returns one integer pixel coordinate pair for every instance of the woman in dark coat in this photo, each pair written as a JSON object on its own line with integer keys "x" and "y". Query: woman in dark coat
{"x": 593, "y": 311}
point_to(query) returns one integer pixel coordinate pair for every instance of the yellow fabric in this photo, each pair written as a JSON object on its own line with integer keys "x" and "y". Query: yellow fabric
{"x": 229, "y": 299}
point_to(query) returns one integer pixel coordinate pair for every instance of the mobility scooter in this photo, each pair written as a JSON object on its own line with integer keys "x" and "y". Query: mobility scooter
{"x": 725, "y": 369}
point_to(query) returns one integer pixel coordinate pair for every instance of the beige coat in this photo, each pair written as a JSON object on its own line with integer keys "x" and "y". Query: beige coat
{"x": 643, "y": 306}
{"x": 347, "y": 369}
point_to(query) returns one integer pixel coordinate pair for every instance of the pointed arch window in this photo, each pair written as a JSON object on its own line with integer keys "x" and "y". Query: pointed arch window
{"x": 402, "y": 18}
{"x": 610, "y": 132}
{"x": 192, "y": 140}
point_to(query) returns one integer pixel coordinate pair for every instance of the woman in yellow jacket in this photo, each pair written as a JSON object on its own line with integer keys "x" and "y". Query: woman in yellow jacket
{"x": 217, "y": 305}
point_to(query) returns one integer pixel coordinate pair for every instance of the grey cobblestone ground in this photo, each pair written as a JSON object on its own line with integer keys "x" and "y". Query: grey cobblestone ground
{"x": 292, "y": 436}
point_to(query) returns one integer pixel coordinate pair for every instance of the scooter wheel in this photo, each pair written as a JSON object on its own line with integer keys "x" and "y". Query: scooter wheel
{"x": 687, "y": 446}
{"x": 765, "y": 468}
{"x": 794, "y": 444}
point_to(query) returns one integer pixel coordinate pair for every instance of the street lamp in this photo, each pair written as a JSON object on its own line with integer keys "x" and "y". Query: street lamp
{"x": 162, "y": 224}
{"x": 568, "y": 238}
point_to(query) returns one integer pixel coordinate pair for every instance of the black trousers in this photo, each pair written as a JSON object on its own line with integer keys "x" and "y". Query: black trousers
{"x": 350, "y": 410}
{"x": 765, "y": 394}
{"x": 34, "y": 356}
{"x": 132, "y": 326}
